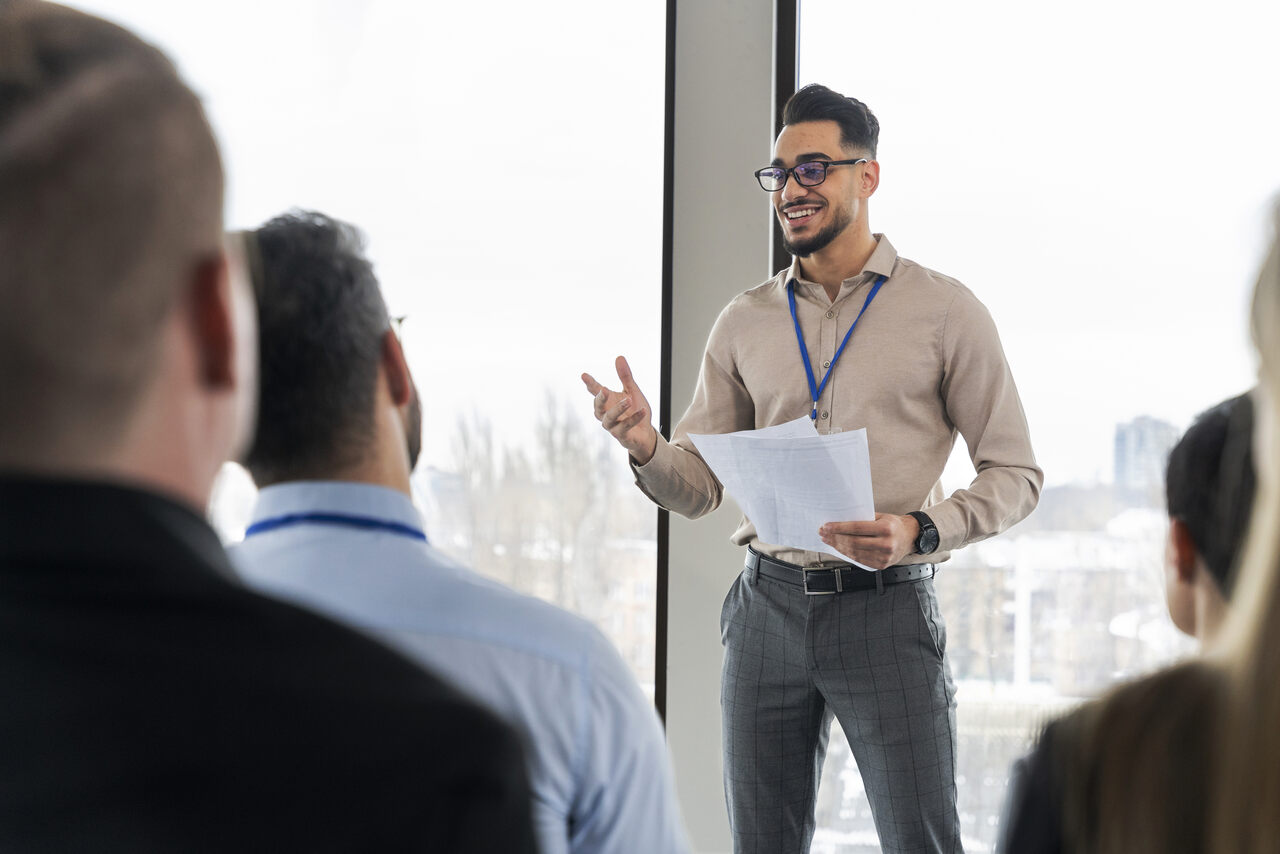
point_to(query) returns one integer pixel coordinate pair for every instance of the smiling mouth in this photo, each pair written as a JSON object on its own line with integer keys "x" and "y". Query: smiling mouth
{"x": 796, "y": 216}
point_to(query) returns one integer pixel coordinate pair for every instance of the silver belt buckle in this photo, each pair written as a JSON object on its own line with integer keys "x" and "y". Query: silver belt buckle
{"x": 805, "y": 570}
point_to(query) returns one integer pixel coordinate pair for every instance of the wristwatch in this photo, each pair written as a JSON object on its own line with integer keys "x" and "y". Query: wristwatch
{"x": 927, "y": 541}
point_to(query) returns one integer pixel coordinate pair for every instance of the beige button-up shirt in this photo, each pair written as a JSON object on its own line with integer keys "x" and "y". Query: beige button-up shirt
{"x": 924, "y": 364}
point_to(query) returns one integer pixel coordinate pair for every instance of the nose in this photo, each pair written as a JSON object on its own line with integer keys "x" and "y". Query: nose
{"x": 792, "y": 191}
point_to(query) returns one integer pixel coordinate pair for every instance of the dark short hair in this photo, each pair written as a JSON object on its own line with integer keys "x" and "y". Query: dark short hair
{"x": 321, "y": 320}
{"x": 1210, "y": 483}
{"x": 110, "y": 196}
{"x": 859, "y": 128}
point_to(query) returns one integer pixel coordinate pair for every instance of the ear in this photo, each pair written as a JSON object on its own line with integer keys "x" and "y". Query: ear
{"x": 212, "y": 324}
{"x": 397, "y": 370}
{"x": 1182, "y": 551}
{"x": 870, "y": 178}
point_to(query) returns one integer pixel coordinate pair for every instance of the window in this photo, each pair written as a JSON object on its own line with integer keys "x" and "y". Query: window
{"x": 1099, "y": 175}
{"x": 495, "y": 155}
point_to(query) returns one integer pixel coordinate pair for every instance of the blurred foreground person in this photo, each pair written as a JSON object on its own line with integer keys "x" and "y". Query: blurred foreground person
{"x": 1209, "y": 488}
{"x": 335, "y": 528}
{"x": 1188, "y": 759}
{"x": 151, "y": 702}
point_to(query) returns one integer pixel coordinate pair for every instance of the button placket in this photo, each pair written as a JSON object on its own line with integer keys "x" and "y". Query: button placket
{"x": 830, "y": 340}
{"x": 827, "y": 400}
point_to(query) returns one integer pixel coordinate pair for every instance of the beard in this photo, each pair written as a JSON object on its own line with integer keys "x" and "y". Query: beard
{"x": 413, "y": 429}
{"x": 805, "y": 247}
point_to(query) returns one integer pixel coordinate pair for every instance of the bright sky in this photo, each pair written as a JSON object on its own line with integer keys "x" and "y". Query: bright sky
{"x": 508, "y": 175}
{"x": 1097, "y": 172}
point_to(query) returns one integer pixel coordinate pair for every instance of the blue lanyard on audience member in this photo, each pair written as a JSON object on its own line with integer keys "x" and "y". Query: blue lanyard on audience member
{"x": 368, "y": 523}
{"x": 815, "y": 389}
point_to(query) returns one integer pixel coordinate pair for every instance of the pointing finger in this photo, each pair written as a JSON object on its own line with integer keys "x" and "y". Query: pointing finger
{"x": 624, "y": 373}
{"x": 591, "y": 384}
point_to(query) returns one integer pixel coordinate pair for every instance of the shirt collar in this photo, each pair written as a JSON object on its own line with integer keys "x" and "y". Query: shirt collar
{"x": 331, "y": 496}
{"x": 881, "y": 263}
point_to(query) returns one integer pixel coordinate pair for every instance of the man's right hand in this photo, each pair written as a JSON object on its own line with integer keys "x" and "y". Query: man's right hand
{"x": 625, "y": 414}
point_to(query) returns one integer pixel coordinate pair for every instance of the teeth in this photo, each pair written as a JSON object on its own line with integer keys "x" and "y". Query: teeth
{"x": 801, "y": 214}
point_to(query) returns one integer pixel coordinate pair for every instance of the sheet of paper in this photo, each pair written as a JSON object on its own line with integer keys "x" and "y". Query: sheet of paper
{"x": 789, "y": 480}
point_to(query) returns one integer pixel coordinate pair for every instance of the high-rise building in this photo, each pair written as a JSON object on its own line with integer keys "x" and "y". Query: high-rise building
{"x": 1142, "y": 450}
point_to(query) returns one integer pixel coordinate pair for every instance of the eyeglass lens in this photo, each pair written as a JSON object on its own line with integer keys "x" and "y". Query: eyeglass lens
{"x": 809, "y": 174}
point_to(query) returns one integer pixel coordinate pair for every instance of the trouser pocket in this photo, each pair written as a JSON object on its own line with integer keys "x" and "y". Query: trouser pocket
{"x": 931, "y": 614}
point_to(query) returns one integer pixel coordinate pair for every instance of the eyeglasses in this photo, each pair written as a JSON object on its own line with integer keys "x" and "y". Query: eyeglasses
{"x": 810, "y": 174}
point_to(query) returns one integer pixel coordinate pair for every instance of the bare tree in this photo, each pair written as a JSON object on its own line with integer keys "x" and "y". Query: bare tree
{"x": 473, "y": 457}
{"x": 570, "y": 483}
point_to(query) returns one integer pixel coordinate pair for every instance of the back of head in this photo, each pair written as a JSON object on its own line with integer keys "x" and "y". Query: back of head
{"x": 859, "y": 128}
{"x": 110, "y": 193}
{"x": 321, "y": 319}
{"x": 1210, "y": 483}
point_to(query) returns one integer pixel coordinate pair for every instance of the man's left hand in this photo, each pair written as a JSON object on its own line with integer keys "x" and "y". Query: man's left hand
{"x": 878, "y": 544}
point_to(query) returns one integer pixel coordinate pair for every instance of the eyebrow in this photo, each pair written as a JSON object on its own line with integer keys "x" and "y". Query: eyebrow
{"x": 805, "y": 158}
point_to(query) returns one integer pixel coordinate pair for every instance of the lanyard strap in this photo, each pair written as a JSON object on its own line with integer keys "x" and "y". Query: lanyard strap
{"x": 815, "y": 388}
{"x": 368, "y": 523}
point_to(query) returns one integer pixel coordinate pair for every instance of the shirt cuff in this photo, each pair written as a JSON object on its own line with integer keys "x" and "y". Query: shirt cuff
{"x": 950, "y": 523}
{"x": 663, "y": 455}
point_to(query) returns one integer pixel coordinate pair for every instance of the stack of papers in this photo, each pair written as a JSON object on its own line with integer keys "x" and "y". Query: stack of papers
{"x": 789, "y": 480}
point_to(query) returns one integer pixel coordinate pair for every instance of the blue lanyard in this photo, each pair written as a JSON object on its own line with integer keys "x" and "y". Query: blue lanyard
{"x": 368, "y": 523}
{"x": 815, "y": 388}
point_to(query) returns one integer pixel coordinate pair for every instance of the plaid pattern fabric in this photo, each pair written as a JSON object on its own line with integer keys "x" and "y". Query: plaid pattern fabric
{"x": 875, "y": 662}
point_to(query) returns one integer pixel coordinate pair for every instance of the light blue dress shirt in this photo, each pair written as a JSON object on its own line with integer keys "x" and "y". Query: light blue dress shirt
{"x": 598, "y": 761}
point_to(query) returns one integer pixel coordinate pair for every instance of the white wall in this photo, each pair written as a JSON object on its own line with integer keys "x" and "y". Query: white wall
{"x": 721, "y": 242}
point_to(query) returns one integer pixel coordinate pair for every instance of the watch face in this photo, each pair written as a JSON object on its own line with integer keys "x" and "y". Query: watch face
{"x": 928, "y": 540}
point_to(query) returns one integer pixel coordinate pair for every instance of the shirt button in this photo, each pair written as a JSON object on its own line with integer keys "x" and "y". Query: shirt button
{"x": 830, "y": 314}
{"x": 826, "y": 364}
{"x": 824, "y": 413}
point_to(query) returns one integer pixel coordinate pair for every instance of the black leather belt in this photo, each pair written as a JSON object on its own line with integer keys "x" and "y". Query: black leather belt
{"x": 824, "y": 580}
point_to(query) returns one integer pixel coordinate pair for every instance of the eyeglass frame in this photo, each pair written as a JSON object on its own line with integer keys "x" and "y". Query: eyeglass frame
{"x": 787, "y": 174}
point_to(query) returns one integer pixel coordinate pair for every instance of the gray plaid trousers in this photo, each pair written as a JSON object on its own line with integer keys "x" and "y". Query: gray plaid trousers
{"x": 873, "y": 661}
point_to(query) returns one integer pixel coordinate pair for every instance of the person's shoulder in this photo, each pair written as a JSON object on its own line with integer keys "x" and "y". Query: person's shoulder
{"x": 771, "y": 288}
{"x": 490, "y": 611}
{"x": 296, "y": 644}
{"x": 347, "y": 681}
{"x": 1133, "y": 762}
{"x": 390, "y": 735}
{"x": 918, "y": 276}
{"x": 950, "y": 304}
{"x": 1182, "y": 690}
{"x": 503, "y": 616}
{"x": 768, "y": 292}
{"x": 743, "y": 311}
{"x": 1187, "y": 695}
{"x": 297, "y": 673}
{"x": 1145, "y": 717}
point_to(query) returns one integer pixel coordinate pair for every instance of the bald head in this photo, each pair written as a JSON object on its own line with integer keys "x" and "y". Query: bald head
{"x": 110, "y": 200}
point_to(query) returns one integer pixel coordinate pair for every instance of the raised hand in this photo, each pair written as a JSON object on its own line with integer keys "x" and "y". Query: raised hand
{"x": 625, "y": 414}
